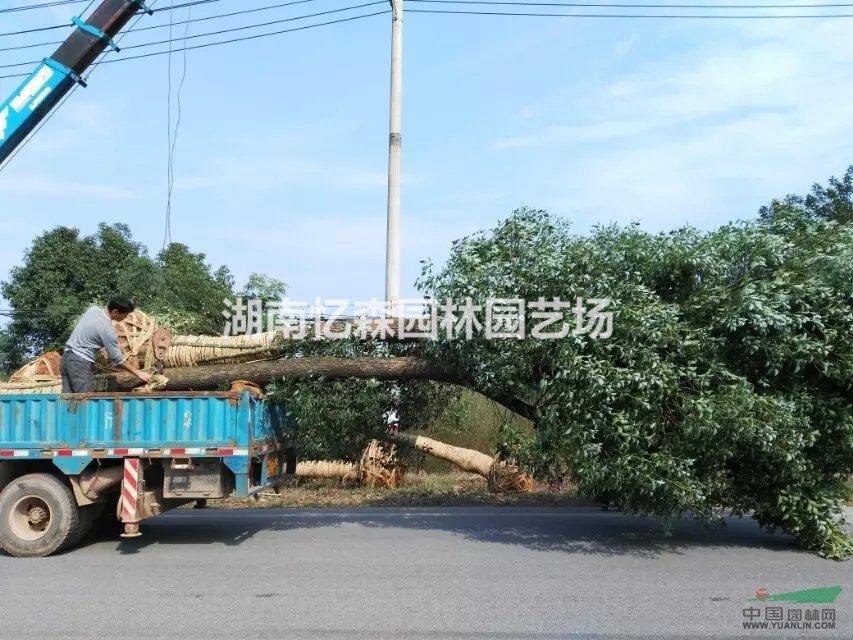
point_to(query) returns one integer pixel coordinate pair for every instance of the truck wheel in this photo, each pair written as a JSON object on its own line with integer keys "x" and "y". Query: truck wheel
{"x": 38, "y": 515}
{"x": 87, "y": 517}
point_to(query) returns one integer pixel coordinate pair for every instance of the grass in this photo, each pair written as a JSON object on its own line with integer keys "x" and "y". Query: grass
{"x": 420, "y": 489}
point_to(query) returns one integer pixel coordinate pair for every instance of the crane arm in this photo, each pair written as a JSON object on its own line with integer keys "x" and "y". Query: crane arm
{"x": 36, "y": 97}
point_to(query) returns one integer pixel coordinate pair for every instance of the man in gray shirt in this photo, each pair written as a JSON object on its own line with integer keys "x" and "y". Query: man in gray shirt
{"x": 93, "y": 332}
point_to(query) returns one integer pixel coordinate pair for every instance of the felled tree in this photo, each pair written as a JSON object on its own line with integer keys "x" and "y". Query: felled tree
{"x": 378, "y": 467}
{"x": 726, "y": 384}
{"x": 501, "y": 477}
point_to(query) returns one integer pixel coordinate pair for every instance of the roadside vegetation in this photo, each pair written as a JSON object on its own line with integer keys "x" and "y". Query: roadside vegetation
{"x": 724, "y": 388}
{"x": 419, "y": 489}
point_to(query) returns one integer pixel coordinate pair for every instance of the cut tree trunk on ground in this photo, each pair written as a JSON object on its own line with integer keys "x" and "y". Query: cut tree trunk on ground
{"x": 501, "y": 477}
{"x": 328, "y": 470}
{"x": 379, "y": 467}
{"x": 262, "y": 373}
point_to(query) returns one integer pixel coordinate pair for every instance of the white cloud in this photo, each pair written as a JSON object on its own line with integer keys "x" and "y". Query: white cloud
{"x": 530, "y": 111}
{"x": 42, "y": 187}
{"x": 623, "y": 47}
{"x": 728, "y": 122}
{"x": 266, "y": 171}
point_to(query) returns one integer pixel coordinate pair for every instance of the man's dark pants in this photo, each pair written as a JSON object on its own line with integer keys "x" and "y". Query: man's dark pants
{"x": 78, "y": 374}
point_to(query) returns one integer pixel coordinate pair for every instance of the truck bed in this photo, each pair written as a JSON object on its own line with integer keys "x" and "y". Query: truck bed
{"x": 96, "y": 425}
{"x": 69, "y": 459}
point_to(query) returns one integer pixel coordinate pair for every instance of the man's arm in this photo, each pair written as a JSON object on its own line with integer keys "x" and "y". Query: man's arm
{"x": 145, "y": 377}
{"x": 117, "y": 357}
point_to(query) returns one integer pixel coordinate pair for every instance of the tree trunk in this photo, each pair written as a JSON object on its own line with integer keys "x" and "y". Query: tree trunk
{"x": 500, "y": 477}
{"x": 402, "y": 368}
{"x": 328, "y": 470}
{"x": 466, "y": 459}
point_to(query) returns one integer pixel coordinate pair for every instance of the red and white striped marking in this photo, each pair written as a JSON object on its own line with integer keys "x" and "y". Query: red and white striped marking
{"x": 126, "y": 452}
{"x": 130, "y": 491}
{"x": 14, "y": 453}
{"x": 137, "y": 452}
{"x": 182, "y": 451}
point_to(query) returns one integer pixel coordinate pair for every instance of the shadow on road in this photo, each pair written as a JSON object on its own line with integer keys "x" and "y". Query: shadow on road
{"x": 605, "y": 534}
{"x": 579, "y": 530}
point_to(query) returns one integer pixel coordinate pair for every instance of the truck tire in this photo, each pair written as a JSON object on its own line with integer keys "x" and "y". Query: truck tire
{"x": 38, "y": 516}
{"x": 88, "y": 515}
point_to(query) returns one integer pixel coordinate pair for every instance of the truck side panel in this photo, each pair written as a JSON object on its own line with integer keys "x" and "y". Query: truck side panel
{"x": 78, "y": 425}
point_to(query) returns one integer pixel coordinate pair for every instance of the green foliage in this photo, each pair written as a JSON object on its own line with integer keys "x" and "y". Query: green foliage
{"x": 726, "y": 384}
{"x": 263, "y": 287}
{"x": 335, "y": 419}
{"x": 63, "y": 273}
{"x": 10, "y": 353}
{"x": 180, "y": 290}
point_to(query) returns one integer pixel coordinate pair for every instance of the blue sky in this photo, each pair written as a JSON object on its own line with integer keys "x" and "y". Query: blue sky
{"x": 281, "y": 160}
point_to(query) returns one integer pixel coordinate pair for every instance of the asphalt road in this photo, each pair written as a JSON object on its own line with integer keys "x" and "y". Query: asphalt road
{"x": 468, "y": 573}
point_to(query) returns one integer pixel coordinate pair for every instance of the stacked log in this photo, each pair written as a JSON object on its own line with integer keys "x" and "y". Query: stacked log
{"x": 191, "y": 351}
{"x": 378, "y": 468}
{"x": 45, "y": 367}
{"x": 37, "y": 376}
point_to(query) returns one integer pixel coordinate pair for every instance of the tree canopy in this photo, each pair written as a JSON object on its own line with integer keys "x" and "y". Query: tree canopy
{"x": 64, "y": 271}
{"x": 726, "y": 384}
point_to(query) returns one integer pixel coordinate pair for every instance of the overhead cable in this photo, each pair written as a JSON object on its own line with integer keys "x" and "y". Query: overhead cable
{"x": 684, "y": 16}
{"x": 65, "y": 26}
{"x": 232, "y": 40}
{"x": 177, "y": 22}
{"x": 44, "y": 5}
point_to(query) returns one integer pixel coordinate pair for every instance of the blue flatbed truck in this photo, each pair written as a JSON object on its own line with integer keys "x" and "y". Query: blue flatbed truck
{"x": 68, "y": 461}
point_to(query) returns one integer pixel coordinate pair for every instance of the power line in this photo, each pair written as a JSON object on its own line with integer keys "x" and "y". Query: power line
{"x": 29, "y": 63}
{"x": 36, "y": 30}
{"x": 232, "y": 40}
{"x": 234, "y": 13}
{"x": 169, "y": 133}
{"x": 262, "y": 24}
{"x": 252, "y": 37}
{"x": 186, "y": 4}
{"x": 644, "y": 6}
{"x": 492, "y": 3}
{"x": 171, "y": 23}
{"x": 170, "y": 40}
{"x": 65, "y": 26}
{"x": 21, "y": 47}
{"x": 173, "y": 137}
{"x": 44, "y": 5}
{"x": 685, "y": 16}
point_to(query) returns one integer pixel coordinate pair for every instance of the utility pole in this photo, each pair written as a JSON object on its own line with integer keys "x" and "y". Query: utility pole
{"x": 392, "y": 252}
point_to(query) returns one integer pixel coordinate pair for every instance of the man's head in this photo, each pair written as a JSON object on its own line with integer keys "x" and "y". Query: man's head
{"x": 118, "y": 308}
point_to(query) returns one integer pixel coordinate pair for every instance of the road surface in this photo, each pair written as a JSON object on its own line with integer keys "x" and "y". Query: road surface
{"x": 410, "y": 574}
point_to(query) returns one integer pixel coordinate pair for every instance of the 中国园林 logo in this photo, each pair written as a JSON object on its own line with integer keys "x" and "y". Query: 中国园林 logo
{"x": 822, "y": 595}
{"x": 799, "y": 610}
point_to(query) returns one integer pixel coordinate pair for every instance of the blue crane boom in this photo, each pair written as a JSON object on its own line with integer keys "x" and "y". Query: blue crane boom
{"x": 36, "y": 97}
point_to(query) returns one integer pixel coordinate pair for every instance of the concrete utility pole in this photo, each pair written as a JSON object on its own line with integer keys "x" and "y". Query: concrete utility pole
{"x": 392, "y": 254}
